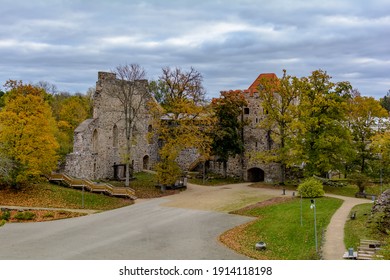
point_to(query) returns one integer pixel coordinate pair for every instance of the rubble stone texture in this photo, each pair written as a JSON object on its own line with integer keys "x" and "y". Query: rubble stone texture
{"x": 381, "y": 209}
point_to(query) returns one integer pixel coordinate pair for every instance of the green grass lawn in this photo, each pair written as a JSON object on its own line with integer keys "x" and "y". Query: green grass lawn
{"x": 347, "y": 190}
{"x": 350, "y": 190}
{"x": 362, "y": 228}
{"x": 358, "y": 228}
{"x": 279, "y": 226}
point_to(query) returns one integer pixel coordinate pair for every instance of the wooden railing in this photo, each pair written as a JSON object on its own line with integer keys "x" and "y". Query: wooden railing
{"x": 92, "y": 186}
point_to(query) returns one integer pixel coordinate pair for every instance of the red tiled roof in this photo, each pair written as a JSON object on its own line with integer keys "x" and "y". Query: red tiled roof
{"x": 254, "y": 86}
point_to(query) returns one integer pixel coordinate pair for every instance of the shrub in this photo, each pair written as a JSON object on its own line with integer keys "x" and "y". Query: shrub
{"x": 48, "y": 215}
{"x": 24, "y": 216}
{"x": 311, "y": 187}
{"x": 2, "y": 223}
{"x": 5, "y": 216}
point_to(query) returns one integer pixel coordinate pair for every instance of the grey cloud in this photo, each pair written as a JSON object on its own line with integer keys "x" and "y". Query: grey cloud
{"x": 230, "y": 42}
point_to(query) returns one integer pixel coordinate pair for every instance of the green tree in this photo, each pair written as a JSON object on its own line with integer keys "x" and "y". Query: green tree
{"x": 227, "y": 133}
{"x": 364, "y": 118}
{"x": 27, "y": 131}
{"x": 279, "y": 100}
{"x": 323, "y": 141}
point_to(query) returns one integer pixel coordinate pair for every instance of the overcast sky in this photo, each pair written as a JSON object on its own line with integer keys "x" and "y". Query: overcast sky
{"x": 230, "y": 42}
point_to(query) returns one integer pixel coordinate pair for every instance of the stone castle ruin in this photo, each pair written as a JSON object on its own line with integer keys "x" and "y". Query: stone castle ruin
{"x": 99, "y": 142}
{"x": 255, "y": 140}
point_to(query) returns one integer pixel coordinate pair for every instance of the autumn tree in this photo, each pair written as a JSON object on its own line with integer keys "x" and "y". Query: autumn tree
{"x": 322, "y": 139}
{"x": 364, "y": 119}
{"x": 227, "y": 133}
{"x": 182, "y": 121}
{"x": 69, "y": 110}
{"x": 279, "y": 100}
{"x": 27, "y": 128}
{"x": 380, "y": 145}
{"x": 72, "y": 110}
{"x": 132, "y": 99}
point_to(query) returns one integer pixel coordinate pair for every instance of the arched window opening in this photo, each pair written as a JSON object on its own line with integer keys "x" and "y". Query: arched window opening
{"x": 145, "y": 162}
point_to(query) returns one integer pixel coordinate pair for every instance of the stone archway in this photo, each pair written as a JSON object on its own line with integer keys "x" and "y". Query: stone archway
{"x": 255, "y": 174}
{"x": 145, "y": 162}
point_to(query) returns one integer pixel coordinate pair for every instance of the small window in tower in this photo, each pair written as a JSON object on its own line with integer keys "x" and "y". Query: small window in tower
{"x": 246, "y": 111}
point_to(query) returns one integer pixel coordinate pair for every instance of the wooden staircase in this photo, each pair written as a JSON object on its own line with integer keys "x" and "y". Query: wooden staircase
{"x": 104, "y": 188}
{"x": 369, "y": 249}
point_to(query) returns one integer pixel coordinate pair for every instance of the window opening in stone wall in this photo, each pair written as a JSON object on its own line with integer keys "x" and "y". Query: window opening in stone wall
{"x": 95, "y": 141}
{"x": 115, "y": 136}
{"x": 246, "y": 111}
{"x": 146, "y": 162}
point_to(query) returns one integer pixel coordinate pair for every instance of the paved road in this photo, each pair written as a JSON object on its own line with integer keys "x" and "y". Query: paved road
{"x": 145, "y": 230}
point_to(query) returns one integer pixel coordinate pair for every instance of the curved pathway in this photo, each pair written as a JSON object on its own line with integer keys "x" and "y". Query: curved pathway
{"x": 334, "y": 248}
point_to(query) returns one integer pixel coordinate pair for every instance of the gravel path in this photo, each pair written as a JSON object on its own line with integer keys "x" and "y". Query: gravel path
{"x": 334, "y": 247}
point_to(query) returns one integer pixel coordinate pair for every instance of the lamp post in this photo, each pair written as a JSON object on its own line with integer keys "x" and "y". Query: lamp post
{"x": 313, "y": 206}
{"x": 301, "y": 212}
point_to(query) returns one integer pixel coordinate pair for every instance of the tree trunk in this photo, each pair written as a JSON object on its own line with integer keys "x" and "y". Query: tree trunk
{"x": 129, "y": 141}
{"x": 283, "y": 173}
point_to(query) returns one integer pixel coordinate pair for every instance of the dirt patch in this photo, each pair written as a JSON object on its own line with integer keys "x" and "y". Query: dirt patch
{"x": 271, "y": 201}
{"x": 40, "y": 215}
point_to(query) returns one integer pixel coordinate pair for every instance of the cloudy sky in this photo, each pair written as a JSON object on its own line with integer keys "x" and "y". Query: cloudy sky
{"x": 230, "y": 42}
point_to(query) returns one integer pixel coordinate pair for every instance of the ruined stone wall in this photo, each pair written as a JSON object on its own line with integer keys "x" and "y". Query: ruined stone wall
{"x": 187, "y": 157}
{"x": 99, "y": 143}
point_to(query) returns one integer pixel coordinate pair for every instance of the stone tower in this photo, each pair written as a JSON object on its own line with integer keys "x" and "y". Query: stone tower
{"x": 255, "y": 140}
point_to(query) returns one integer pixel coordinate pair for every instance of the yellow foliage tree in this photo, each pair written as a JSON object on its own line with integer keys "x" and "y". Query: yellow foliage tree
{"x": 72, "y": 111}
{"x": 182, "y": 121}
{"x": 27, "y": 131}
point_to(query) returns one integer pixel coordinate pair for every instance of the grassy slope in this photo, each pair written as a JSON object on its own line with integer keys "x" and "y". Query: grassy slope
{"x": 280, "y": 228}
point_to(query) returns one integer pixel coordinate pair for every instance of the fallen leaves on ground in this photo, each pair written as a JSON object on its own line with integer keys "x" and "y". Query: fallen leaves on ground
{"x": 44, "y": 215}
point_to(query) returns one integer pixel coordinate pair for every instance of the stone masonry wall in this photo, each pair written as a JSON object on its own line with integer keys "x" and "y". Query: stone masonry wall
{"x": 99, "y": 143}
